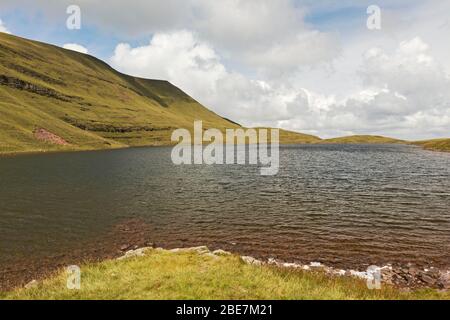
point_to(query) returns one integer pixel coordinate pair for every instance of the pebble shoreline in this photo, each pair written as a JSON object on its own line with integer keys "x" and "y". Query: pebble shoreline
{"x": 406, "y": 278}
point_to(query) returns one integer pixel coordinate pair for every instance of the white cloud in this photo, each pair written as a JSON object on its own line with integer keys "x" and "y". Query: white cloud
{"x": 177, "y": 57}
{"x": 3, "y": 27}
{"x": 394, "y": 88}
{"x": 268, "y": 35}
{"x": 308, "y": 48}
{"x": 250, "y": 32}
{"x": 305, "y": 65}
{"x": 195, "y": 66}
{"x": 405, "y": 95}
{"x": 76, "y": 47}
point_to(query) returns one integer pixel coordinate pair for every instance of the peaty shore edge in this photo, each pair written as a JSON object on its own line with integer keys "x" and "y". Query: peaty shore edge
{"x": 198, "y": 273}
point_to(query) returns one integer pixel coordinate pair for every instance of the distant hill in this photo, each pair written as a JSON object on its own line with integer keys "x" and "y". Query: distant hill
{"x": 365, "y": 139}
{"x": 435, "y": 144}
{"x": 291, "y": 137}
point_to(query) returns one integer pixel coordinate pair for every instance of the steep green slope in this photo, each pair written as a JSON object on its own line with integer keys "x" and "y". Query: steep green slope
{"x": 85, "y": 102}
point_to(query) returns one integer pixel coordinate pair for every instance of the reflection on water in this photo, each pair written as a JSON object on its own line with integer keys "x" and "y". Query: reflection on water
{"x": 339, "y": 204}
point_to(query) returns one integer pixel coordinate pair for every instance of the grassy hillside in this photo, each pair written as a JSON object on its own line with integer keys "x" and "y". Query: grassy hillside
{"x": 435, "y": 144}
{"x": 85, "y": 102}
{"x": 189, "y": 275}
{"x": 363, "y": 139}
{"x": 82, "y": 103}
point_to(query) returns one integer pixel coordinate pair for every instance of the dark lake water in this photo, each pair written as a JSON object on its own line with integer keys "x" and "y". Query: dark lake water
{"x": 338, "y": 204}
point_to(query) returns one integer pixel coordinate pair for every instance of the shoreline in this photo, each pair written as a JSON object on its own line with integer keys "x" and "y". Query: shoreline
{"x": 389, "y": 277}
{"x": 404, "y": 278}
{"x": 131, "y": 237}
{"x": 198, "y": 273}
{"x": 44, "y": 152}
{"x": 12, "y": 154}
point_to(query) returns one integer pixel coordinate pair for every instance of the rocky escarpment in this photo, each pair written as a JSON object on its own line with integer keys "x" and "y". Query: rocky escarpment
{"x": 19, "y": 84}
{"x": 96, "y": 126}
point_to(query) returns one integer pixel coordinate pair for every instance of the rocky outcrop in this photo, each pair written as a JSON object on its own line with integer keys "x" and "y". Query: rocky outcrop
{"x": 33, "y": 88}
{"x": 404, "y": 277}
{"x": 251, "y": 260}
{"x": 90, "y": 125}
{"x": 199, "y": 250}
{"x": 134, "y": 253}
{"x": 220, "y": 252}
{"x": 413, "y": 277}
{"x": 444, "y": 281}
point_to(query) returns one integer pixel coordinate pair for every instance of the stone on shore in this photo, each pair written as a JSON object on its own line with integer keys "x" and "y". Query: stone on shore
{"x": 199, "y": 250}
{"x": 31, "y": 284}
{"x": 220, "y": 252}
{"x": 251, "y": 260}
{"x": 404, "y": 277}
{"x": 134, "y": 253}
{"x": 444, "y": 281}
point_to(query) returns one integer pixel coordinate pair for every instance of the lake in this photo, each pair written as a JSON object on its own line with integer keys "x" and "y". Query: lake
{"x": 343, "y": 205}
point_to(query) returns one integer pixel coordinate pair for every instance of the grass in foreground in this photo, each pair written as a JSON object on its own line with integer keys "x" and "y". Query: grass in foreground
{"x": 187, "y": 275}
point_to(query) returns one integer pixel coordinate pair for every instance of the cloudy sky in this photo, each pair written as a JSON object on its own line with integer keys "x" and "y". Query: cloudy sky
{"x": 311, "y": 66}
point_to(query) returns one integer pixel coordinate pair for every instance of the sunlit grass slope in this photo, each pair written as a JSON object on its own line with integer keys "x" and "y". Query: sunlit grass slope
{"x": 290, "y": 137}
{"x": 435, "y": 144}
{"x": 363, "y": 139}
{"x": 188, "y": 275}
